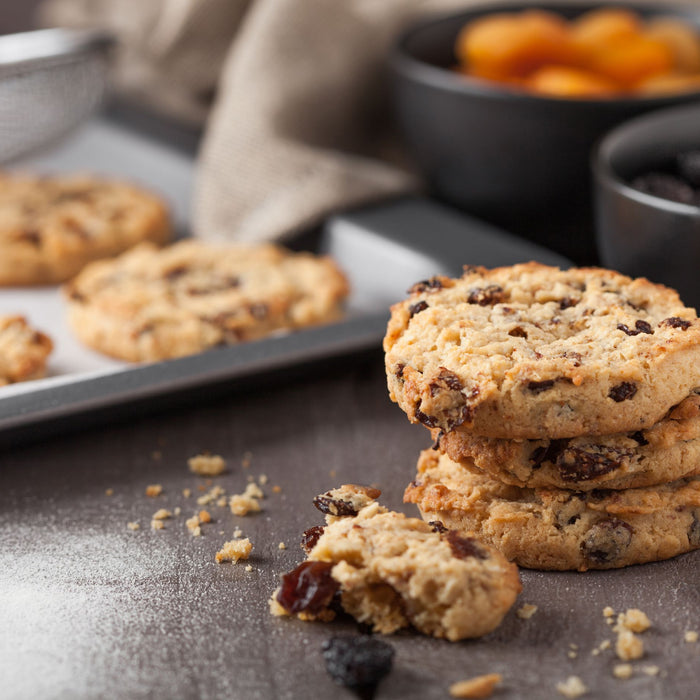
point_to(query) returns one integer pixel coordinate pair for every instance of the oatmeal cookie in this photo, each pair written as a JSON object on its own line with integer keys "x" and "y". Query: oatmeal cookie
{"x": 558, "y": 529}
{"x": 50, "y": 227}
{"x": 23, "y": 351}
{"x": 394, "y": 572}
{"x": 667, "y": 451}
{"x": 150, "y": 304}
{"x": 531, "y": 351}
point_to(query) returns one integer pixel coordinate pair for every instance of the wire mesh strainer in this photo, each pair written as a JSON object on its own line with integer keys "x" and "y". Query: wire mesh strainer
{"x": 50, "y": 81}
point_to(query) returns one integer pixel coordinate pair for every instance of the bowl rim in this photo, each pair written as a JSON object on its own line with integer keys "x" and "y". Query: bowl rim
{"x": 403, "y": 63}
{"x": 605, "y": 174}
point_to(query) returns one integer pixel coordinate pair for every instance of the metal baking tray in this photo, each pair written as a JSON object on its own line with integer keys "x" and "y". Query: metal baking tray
{"x": 382, "y": 249}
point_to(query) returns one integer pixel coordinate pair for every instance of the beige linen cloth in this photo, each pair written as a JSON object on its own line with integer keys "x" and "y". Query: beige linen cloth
{"x": 299, "y": 126}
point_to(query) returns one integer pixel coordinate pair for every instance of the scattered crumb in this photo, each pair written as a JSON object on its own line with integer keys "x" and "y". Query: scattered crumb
{"x": 611, "y": 621}
{"x": 177, "y": 510}
{"x": 526, "y": 611}
{"x": 262, "y": 479}
{"x": 207, "y": 465}
{"x": 154, "y": 490}
{"x": 605, "y": 645}
{"x": 479, "y": 687}
{"x": 595, "y": 651}
{"x": 246, "y": 460}
{"x": 250, "y": 478}
{"x": 573, "y": 646}
{"x": 237, "y": 532}
{"x": 623, "y": 671}
{"x": 109, "y": 492}
{"x": 690, "y": 637}
{"x": 276, "y": 489}
{"x": 629, "y": 646}
{"x": 162, "y": 514}
{"x": 634, "y": 620}
{"x": 221, "y": 502}
{"x": 572, "y": 654}
{"x": 133, "y": 526}
{"x": 651, "y": 670}
{"x": 192, "y": 524}
{"x": 254, "y": 491}
{"x": 608, "y": 611}
{"x": 248, "y": 568}
{"x": 201, "y": 487}
{"x": 246, "y": 502}
{"x": 332, "y": 473}
{"x": 275, "y": 608}
{"x": 157, "y": 524}
{"x": 572, "y": 687}
{"x": 186, "y": 492}
{"x": 214, "y": 494}
{"x": 281, "y": 545}
{"x": 204, "y": 516}
{"x": 234, "y": 550}
{"x": 156, "y": 455}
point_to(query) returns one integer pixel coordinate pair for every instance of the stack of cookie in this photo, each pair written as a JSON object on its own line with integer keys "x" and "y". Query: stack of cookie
{"x": 564, "y": 408}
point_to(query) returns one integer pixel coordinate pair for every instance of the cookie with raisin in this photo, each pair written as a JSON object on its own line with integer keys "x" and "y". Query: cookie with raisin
{"x": 393, "y": 572}
{"x": 23, "y": 351}
{"x": 153, "y": 304}
{"x": 531, "y": 351}
{"x": 557, "y": 529}
{"x": 51, "y": 227}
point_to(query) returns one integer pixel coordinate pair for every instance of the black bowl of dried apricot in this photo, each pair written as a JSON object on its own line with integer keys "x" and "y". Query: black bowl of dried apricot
{"x": 647, "y": 199}
{"x": 500, "y": 106}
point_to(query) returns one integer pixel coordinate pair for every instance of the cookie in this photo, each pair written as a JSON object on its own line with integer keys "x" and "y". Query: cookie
{"x": 393, "y": 572}
{"x": 667, "y": 451}
{"x": 531, "y": 351}
{"x": 23, "y": 351}
{"x": 50, "y": 227}
{"x": 153, "y": 304}
{"x": 558, "y": 529}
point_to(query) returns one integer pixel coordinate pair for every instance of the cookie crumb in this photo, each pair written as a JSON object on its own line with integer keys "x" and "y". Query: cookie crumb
{"x": 213, "y": 494}
{"x": 651, "y": 670}
{"x": 262, "y": 479}
{"x": 207, "y": 465}
{"x": 605, "y": 645}
{"x": 595, "y": 651}
{"x": 234, "y": 550}
{"x": 573, "y": 646}
{"x": 133, "y": 526}
{"x": 629, "y": 646}
{"x": 186, "y": 492}
{"x": 526, "y": 611}
{"x": 332, "y": 473}
{"x": 276, "y": 489}
{"x": 572, "y": 654}
{"x": 177, "y": 510}
{"x": 204, "y": 516}
{"x": 281, "y": 545}
{"x": 623, "y": 671}
{"x": 237, "y": 532}
{"x": 690, "y": 637}
{"x": 608, "y": 611}
{"x": 479, "y": 687}
{"x": 156, "y": 455}
{"x": 246, "y": 502}
{"x": 634, "y": 620}
{"x": 157, "y": 524}
{"x": 109, "y": 492}
{"x": 246, "y": 460}
{"x": 192, "y": 524}
{"x": 248, "y": 568}
{"x": 161, "y": 514}
{"x": 572, "y": 687}
{"x": 153, "y": 490}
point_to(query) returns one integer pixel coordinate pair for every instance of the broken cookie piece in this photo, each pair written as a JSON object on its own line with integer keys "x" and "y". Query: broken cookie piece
{"x": 392, "y": 572}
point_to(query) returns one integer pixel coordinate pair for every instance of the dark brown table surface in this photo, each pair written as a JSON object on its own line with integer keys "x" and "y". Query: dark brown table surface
{"x": 90, "y": 609}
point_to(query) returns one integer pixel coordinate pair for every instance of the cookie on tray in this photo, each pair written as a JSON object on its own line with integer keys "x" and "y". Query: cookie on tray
{"x": 532, "y": 351}
{"x": 393, "y": 572}
{"x": 667, "y": 451}
{"x": 50, "y": 227}
{"x": 559, "y": 529}
{"x": 153, "y": 304}
{"x": 23, "y": 351}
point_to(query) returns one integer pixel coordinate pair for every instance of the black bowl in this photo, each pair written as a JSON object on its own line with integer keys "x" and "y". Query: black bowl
{"x": 639, "y": 234}
{"x": 516, "y": 159}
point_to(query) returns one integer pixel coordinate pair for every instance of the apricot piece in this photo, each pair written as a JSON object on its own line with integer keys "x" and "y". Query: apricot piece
{"x": 506, "y": 46}
{"x": 631, "y": 60}
{"x": 682, "y": 40}
{"x": 563, "y": 81}
{"x": 667, "y": 84}
{"x": 599, "y": 28}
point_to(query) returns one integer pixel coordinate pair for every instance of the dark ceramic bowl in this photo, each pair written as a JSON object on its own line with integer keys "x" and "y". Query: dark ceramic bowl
{"x": 640, "y": 234}
{"x": 514, "y": 158}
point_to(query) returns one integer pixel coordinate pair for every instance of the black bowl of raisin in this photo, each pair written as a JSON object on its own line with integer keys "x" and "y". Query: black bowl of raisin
{"x": 647, "y": 199}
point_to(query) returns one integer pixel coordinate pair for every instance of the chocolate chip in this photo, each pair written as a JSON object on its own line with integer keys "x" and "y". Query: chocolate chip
{"x": 675, "y": 322}
{"x": 639, "y": 327}
{"x": 437, "y": 526}
{"x": 310, "y": 537}
{"x": 308, "y": 588}
{"x": 416, "y": 308}
{"x": 623, "y": 391}
{"x": 539, "y": 387}
{"x": 518, "y": 332}
{"x": 464, "y": 547}
{"x": 486, "y": 296}
{"x": 431, "y": 285}
{"x": 607, "y": 540}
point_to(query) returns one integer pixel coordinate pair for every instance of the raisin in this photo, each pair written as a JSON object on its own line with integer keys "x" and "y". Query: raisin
{"x": 31, "y": 236}
{"x": 176, "y": 272}
{"x": 399, "y": 370}
{"x": 539, "y": 387}
{"x": 445, "y": 380}
{"x": 437, "y": 526}
{"x": 548, "y": 453}
{"x": 689, "y": 166}
{"x": 639, "y": 438}
{"x": 310, "y": 537}
{"x": 675, "y": 322}
{"x": 623, "y": 391}
{"x": 607, "y": 541}
{"x": 464, "y": 547}
{"x": 438, "y": 438}
{"x": 333, "y": 506}
{"x": 639, "y": 327}
{"x": 575, "y": 464}
{"x": 431, "y": 285}
{"x": 518, "y": 332}
{"x": 308, "y": 588}
{"x": 694, "y": 530}
{"x": 358, "y": 663}
{"x": 567, "y": 303}
{"x": 427, "y": 420}
{"x": 486, "y": 296}
{"x": 416, "y": 308}
{"x": 665, "y": 186}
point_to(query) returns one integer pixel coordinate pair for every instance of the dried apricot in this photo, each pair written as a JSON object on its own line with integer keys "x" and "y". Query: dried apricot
{"x": 631, "y": 60}
{"x": 562, "y": 81}
{"x": 682, "y": 40}
{"x": 599, "y": 28}
{"x": 668, "y": 84}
